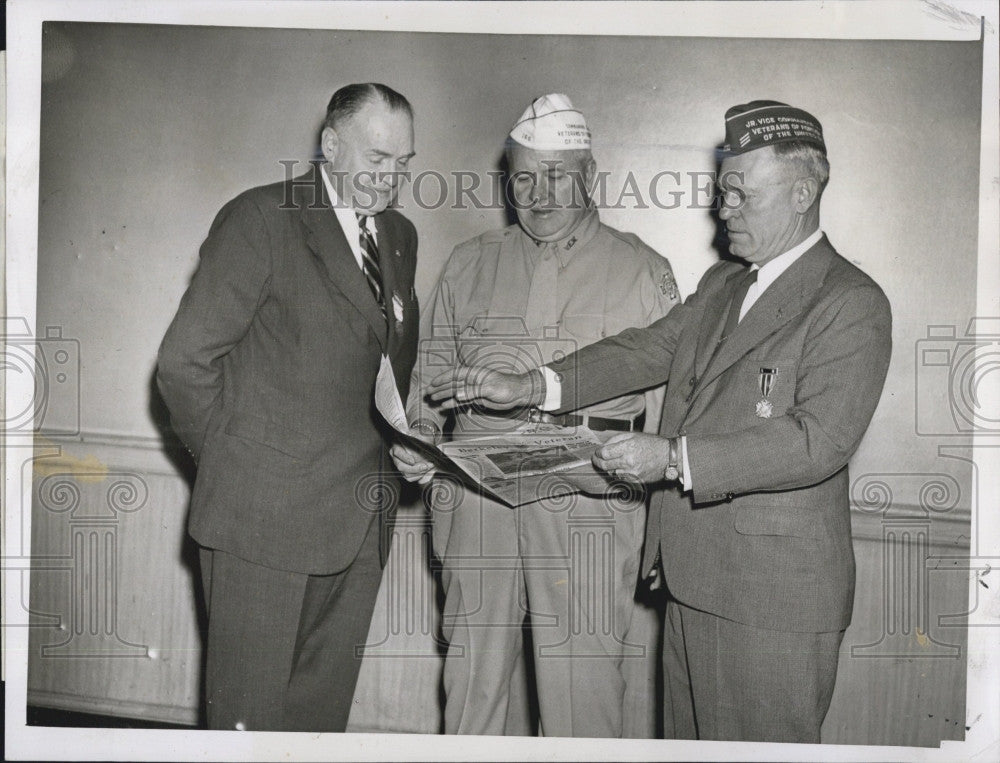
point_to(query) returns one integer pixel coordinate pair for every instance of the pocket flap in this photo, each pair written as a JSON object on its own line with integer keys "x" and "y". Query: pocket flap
{"x": 276, "y": 436}
{"x": 777, "y": 520}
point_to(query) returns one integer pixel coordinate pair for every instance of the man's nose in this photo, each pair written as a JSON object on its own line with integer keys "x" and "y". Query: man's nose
{"x": 534, "y": 193}
{"x": 541, "y": 192}
{"x": 725, "y": 211}
{"x": 388, "y": 178}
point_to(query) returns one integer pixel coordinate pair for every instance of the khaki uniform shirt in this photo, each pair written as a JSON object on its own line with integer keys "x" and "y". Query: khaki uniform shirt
{"x": 511, "y": 303}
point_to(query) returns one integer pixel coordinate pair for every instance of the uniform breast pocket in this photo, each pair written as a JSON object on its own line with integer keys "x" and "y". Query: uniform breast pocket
{"x": 498, "y": 342}
{"x": 588, "y": 327}
{"x": 770, "y": 383}
{"x": 473, "y": 339}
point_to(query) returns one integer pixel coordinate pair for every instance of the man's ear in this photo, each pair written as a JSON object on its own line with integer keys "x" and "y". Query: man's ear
{"x": 806, "y": 194}
{"x": 329, "y": 142}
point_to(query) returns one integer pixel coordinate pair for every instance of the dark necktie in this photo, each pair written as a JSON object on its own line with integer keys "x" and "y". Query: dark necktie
{"x": 369, "y": 262}
{"x": 733, "y": 318}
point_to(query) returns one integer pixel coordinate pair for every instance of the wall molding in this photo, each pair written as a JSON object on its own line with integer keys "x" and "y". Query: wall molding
{"x": 947, "y": 530}
{"x": 143, "y": 711}
{"x": 149, "y": 454}
{"x": 154, "y": 455}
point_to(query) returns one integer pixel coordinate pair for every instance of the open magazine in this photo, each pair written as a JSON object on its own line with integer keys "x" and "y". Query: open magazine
{"x": 539, "y": 461}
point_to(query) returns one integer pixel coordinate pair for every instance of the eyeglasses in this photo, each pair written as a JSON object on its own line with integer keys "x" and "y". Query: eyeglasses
{"x": 735, "y": 197}
{"x": 730, "y": 198}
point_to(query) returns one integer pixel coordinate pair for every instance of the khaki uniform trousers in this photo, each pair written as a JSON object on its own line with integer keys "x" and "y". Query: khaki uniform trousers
{"x": 570, "y": 563}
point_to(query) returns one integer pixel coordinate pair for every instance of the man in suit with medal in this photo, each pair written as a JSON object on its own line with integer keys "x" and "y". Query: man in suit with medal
{"x": 773, "y": 374}
{"x": 268, "y": 370}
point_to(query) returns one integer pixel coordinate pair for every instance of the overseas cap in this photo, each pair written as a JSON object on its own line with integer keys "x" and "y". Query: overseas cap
{"x": 551, "y": 123}
{"x": 757, "y": 124}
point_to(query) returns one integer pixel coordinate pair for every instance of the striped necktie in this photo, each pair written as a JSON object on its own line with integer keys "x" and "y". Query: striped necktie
{"x": 369, "y": 262}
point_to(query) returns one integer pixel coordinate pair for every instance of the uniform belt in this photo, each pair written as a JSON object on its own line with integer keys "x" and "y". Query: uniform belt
{"x": 595, "y": 423}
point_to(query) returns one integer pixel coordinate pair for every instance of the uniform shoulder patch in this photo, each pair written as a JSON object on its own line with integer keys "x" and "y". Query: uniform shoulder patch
{"x": 668, "y": 286}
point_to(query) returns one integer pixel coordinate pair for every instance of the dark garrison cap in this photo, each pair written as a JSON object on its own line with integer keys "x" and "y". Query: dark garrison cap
{"x": 757, "y": 124}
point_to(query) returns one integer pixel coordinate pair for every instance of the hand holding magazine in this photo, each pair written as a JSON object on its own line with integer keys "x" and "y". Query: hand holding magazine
{"x": 516, "y": 468}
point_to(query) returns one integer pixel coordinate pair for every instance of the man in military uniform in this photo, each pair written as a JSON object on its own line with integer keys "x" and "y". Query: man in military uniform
{"x": 518, "y": 298}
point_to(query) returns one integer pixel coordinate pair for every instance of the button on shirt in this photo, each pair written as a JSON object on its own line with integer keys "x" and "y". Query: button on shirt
{"x": 767, "y": 275}
{"x": 348, "y": 220}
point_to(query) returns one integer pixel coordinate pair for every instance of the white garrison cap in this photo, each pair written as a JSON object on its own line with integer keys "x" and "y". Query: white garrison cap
{"x": 551, "y": 123}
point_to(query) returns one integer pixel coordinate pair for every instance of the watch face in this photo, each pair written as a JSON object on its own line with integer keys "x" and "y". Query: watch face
{"x": 671, "y": 473}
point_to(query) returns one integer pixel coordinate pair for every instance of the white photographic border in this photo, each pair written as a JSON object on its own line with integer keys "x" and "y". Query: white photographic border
{"x": 908, "y": 20}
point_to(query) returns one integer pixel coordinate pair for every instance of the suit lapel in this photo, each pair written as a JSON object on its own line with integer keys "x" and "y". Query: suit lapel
{"x": 388, "y": 257}
{"x": 712, "y": 325}
{"x": 783, "y": 301}
{"x": 327, "y": 241}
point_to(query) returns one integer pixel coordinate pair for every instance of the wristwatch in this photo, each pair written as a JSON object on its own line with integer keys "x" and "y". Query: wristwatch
{"x": 673, "y": 471}
{"x": 427, "y": 428}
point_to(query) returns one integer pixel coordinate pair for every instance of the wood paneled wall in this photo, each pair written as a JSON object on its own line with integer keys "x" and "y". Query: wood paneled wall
{"x": 115, "y": 611}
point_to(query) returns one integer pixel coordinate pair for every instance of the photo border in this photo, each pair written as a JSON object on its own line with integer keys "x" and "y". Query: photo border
{"x": 827, "y": 20}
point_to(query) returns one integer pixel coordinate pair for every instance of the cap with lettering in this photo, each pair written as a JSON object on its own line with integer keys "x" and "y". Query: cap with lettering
{"x": 551, "y": 123}
{"x": 757, "y": 124}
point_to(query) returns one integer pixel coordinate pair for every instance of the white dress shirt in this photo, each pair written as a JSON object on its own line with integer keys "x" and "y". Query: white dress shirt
{"x": 768, "y": 274}
{"x": 348, "y": 220}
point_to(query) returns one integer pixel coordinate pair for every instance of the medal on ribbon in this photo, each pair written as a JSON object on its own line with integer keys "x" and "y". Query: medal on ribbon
{"x": 766, "y": 379}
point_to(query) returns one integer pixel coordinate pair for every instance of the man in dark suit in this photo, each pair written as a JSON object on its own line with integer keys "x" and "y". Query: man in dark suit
{"x": 773, "y": 373}
{"x": 268, "y": 370}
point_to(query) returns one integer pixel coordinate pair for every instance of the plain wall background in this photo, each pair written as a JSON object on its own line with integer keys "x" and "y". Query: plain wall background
{"x": 147, "y": 131}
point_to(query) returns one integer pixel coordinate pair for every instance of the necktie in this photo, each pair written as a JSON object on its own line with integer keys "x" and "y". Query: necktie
{"x": 369, "y": 262}
{"x": 541, "y": 310}
{"x": 733, "y": 318}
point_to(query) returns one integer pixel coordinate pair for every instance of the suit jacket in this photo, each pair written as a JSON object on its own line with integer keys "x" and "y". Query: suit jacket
{"x": 764, "y": 536}
{"x": 269, "y": 368}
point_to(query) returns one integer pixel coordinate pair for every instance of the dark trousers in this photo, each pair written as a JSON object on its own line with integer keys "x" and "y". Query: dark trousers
{"x": 724, "y": 680}
{"x": 285, "y": 648}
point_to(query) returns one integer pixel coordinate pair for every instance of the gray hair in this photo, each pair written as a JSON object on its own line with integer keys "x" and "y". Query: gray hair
{"x": 806, "y": 156}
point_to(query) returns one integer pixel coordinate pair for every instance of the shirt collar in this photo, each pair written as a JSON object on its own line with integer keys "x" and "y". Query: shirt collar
{"x": 346, "y": 216}
{"x": 575, "y": 240}
{"x": 771, "y": 269}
